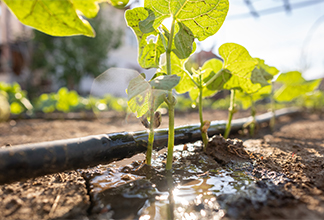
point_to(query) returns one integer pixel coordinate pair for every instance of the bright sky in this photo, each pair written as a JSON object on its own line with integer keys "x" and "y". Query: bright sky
{"x": 278, "y": 38}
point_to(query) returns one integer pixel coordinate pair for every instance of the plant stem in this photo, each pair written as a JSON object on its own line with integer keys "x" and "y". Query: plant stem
{"x": 150, "y": 139}
{"x": 169, "y": 48}
{"x": 204, "y": 134}
{"x": 253, "y": 123}
{"x": 171, "y": 102}
{"x": 171, "y": 134}
{"x": 273, "y": 119}
{"x": 231, "y": 111}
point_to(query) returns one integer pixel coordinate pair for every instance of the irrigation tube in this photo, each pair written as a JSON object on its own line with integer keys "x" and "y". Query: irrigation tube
{"x": 32, "y": 160}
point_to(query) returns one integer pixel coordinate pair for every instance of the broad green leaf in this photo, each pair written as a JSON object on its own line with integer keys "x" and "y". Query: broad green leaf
{"x": 211, "y": 68}
{"x": 143, "y": 95}
{"x": 260, "y": 76}
{"x": 291, "y": 78}
{"x": 149, "y": 51}
{"x": 165, "y": 82}
{"x": 58, "y": 18}
{"x": 137, "y": 86}
{"x": 238, "y": 60}
{"x": 246, "y": 99}
{"x": 89, "y": 8}
{"x": 183, "y": 42}
{"x": 294, "y": 85}
{"x": 263, "y": 73}
{"x": 269, "y": 69}
{"x": 178, "y": 68}
{"x": 203, "y": 17}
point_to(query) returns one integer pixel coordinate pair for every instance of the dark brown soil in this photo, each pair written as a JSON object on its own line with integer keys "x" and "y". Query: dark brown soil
{"x": 295, "y": 150}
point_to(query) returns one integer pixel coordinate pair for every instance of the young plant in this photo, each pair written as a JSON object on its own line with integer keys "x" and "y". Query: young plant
{"x": 235, "y": 73}
{"x": 293, "y": 86}
{"x": 205, "y": 82}
{"x": 145, "y": 98}
{"x": 239, "y": 63}
{"x": 264, "y": 74}
{"x": 154, "y": 39}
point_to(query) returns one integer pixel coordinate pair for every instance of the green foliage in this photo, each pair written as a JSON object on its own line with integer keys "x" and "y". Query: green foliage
{"x": 190, "y": 23}
{"x": 203, "y": 22}
{"x": 64, "y": 100}
{"x": 246, "y": 100}
{"x": 239, "y": 62}
{"x": 144, "y": 96}
{"x": 68, "y": 59}
{"x": 17, "y": 98}
{"x": 149, "y": 52}
{"x": 69, "y": 101}
{"x": 262, "y": 74}
{"x": 294, "y": 85}
{"x": 178, "y": 68}
{"x": 312, "y": 100}
{"x": 59, "y": 18}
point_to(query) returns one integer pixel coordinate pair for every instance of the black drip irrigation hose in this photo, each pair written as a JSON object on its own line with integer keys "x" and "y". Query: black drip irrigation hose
{"x": 32, "y": 160}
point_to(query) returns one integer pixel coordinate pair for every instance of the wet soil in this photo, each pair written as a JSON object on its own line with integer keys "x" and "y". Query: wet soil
{"x": 277, "y": 175}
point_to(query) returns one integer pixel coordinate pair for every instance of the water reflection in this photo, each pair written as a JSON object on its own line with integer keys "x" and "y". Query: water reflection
{"x": 190, "y": 192}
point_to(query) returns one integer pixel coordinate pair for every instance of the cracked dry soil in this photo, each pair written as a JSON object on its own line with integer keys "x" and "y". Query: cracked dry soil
{"x": 295, "y": 150}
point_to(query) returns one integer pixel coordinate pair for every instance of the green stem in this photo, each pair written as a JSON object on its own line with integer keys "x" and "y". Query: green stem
{"x": 171, "y": 102}
{"x": 169, "y": 48}
{"x": 230, "y": 116}
{"x": 150, "y": 139}
{"x": 273, "y": 118}
{"x": 171, "y": 105}
{"x": 252, "y": 126}
{"x": 204, "y": 134}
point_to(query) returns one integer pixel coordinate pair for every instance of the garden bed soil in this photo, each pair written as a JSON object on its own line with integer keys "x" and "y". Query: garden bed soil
{"x": 291, "y": 157}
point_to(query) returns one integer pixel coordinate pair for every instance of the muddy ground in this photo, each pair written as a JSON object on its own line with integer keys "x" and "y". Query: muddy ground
{"x": 292, "y": 155}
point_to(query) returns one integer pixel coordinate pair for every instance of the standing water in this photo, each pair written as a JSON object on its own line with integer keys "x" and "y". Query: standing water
{"x": 138, "y": 191}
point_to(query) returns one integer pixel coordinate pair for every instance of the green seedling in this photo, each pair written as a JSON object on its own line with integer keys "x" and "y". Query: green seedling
{"x": 145, "y": 97}
{"x": 205, "y": 82}
{"x": 154, "y": 39}
{"x": 293, "y": 86}
{"x": 189, "y": 20}
{"x": 239, "y": 64}
{"x": 16, "y": 97}
{"x": 264, "y": 74}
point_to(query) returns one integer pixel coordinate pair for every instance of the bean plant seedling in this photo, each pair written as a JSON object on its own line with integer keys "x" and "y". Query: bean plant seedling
{"x": 190, "y": 20}
{"x": 265, "y": 74}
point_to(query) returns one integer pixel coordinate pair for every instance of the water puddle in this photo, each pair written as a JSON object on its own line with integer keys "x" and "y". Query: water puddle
{"x": 198, "y": 188}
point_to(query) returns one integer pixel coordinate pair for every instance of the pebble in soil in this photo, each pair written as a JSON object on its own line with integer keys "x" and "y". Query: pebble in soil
{"x": 202, "y": 186}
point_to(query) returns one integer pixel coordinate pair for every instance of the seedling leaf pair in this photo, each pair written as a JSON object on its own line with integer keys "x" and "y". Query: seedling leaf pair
{"x": 144, "y": 96}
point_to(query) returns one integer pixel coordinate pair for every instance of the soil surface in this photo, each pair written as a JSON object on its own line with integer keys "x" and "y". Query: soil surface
{"x": 291, "y": 157}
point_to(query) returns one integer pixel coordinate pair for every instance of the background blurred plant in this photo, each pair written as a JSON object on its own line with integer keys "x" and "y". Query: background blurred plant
{"x": 16, "y": 97}
{"x": 68, "y": 59}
